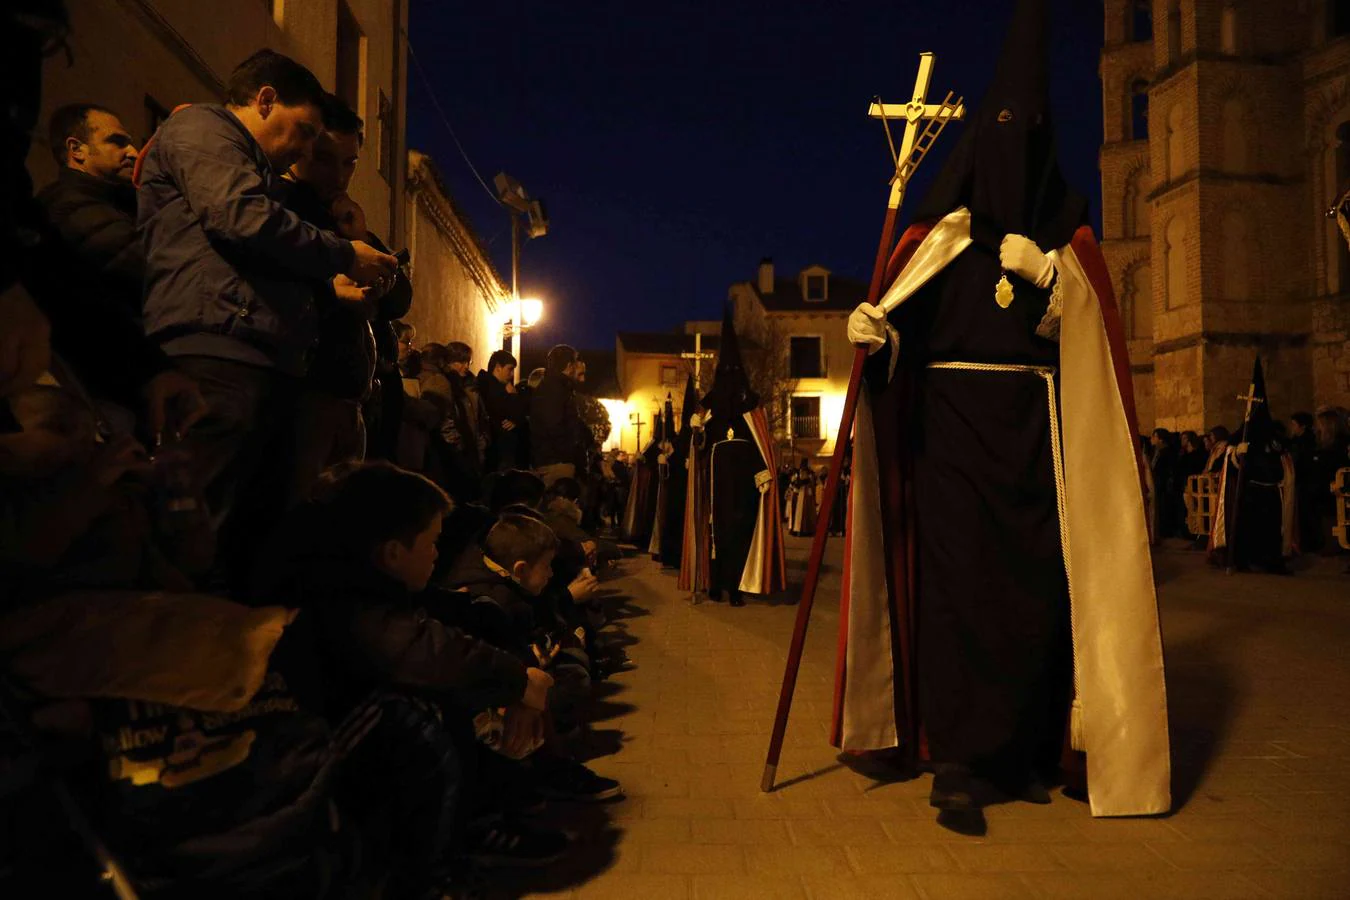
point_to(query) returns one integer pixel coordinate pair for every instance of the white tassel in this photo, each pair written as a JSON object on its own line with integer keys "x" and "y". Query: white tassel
{"x": 1076, "y": 739}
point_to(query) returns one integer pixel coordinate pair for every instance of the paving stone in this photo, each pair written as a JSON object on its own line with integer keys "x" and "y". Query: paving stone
{"x": 1260, "y": 716}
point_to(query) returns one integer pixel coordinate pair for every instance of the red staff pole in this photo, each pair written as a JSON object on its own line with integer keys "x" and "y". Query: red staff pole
{"x": 841, "y": 442}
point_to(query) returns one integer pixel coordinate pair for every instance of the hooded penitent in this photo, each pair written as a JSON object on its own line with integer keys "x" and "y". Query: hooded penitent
{"x": 677, "y": 485}
{"x": 746, "y": 541}
{"x": 1257, "y": 501}
{"x": 996, "y": 518}
{"x": 664, "y": 449}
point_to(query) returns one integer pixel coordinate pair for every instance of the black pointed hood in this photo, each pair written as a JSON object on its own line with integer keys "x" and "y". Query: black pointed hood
{"x": 1005, "y": 168}
{"x": 689, "y": 404}
{"x": 668, "y": 419}
{"x": 730, "y": 396}
{"x": 1259, "y": 428}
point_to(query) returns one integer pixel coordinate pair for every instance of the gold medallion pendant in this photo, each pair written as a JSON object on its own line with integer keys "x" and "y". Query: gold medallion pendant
{"x": 1003, "y": 293}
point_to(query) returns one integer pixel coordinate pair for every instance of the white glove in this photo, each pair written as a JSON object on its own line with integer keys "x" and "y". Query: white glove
{"x": 695, "y": 421}
{"x": 1022, "y": 257}
{"x": 867, "y": 327}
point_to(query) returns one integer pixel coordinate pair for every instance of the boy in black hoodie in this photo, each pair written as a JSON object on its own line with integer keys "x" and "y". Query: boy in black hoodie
{"x": 367, "y": 547}
{"x": 508, "y": 580}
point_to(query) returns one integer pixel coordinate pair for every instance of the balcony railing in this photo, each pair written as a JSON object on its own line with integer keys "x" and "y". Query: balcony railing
{"x": 806, "y": 428}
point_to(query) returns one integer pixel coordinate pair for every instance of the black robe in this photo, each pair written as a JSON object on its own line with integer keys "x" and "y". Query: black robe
{"x": 1255, "y": 519}
{"x": 677, "y": 489}
{"x": 733, "y": 465}
{"x": 994, "y": 664}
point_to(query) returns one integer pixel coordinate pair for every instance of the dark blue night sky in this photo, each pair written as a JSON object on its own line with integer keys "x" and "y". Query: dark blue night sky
{"x": 675, "y": 144}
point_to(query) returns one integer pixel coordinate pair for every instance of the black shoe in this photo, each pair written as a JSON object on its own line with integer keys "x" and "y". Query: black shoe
{"x": 953, "y": 789}
{"x": 512, "y": 845}
{"x": 568, "y": 780}
{"x": 737, "y": 599}
{"x": 969, "y": 822}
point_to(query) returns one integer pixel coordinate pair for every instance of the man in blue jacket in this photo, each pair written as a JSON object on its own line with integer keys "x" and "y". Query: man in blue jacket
{"x": 229, "y": 281}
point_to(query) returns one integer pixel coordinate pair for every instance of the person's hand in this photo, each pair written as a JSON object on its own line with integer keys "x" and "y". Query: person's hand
{"x": 867, "y": 327}
{"x": 173, "y": 401}
{"x": 583, "y": 587}
{"x": 522, "y": 731}
{"x": 353, "y": 296}
{"x": 511, "y": 387}
{"x": 508, "y": 425}
{"x": 1021, "y": 256}
{"x": 351, "y": 218}
{"x": 537, "y": 683}
{"x": 119, "y": 457}
{"x": 589, "y": 548}
{"x": 370, "y": 265}
{"x": 25, "y": 341}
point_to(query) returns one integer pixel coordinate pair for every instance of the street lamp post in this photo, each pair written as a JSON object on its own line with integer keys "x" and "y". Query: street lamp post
{"x": 530, "y": 214}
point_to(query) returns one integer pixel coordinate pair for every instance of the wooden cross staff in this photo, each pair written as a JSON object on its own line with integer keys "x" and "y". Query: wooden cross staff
{"x": 1230, "y": 534}
{"x": 923, "y": 123}
{"x": 698, "y": 356}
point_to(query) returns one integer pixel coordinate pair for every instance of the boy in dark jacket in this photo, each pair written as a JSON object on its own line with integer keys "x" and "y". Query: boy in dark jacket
{"x": 507, "y": 580}
{"x": 367, "y": 550}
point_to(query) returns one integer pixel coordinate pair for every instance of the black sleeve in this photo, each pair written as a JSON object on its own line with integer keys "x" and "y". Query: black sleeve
{"x": 398, "y": 300}
{"x": 412, "y": 649}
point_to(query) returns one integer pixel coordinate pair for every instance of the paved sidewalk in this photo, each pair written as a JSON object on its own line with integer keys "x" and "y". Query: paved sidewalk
{"x": 1260, "y": 710}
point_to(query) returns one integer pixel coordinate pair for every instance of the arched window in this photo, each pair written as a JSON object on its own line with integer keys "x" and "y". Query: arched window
{"x": 1235, "y": 135}
{"x": 1236, "y": 257}
{"x": 1338, "y": 18}
{"x": 1139, "y": 20}
{"x": 1138, "y": 215}
{"x": 1228, "y": 29}
{"x": 1176, "y": 147}
{"x": 1342, "y": 254}
{"x": 1175, "y": 259}
{"x": 1139, "y": 110}
{"x": 1173, "y": 31}
{"x": 1138, "y": 313}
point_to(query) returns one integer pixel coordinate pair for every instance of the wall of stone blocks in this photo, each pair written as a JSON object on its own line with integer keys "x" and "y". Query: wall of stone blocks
{"x": 1330, "y": 352}
{"x": 1227, "y": 376}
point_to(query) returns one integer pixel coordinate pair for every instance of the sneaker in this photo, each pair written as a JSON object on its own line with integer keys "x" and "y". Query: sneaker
{"x": 513, "y": 845}
{"x": 568, "y": 780}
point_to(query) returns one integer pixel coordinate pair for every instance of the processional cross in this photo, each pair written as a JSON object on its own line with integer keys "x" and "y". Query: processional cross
{"x": 698, "y": 356}
{"x": 924, "y": 121}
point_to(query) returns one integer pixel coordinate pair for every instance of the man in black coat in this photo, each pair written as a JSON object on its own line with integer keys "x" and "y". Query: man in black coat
{"x": 558, "y": 437}
{"x": 92, "y": 203}
{"x": 504, "y": 410}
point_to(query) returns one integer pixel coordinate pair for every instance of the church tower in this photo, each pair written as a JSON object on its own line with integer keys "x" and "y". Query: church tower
{"x": 1216, "y": 176}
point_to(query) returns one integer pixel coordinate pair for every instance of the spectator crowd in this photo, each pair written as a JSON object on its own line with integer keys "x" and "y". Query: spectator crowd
{"x": 1308, "y": 451}
{"x": 291, "y": 605}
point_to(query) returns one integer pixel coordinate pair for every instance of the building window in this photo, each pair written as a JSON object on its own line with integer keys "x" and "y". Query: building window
{"x": 351, "y": 58}
{"x": 1174, "y": 32}
{"x": 1175, "y": 259}
{"x": 1228, "y": 29}
{"x": 1138, "y": 111}
{"x": 1342, "y": 251}
{"x": 1176, "y": 147}
{"x": 1338, "y": 18}
{"x": 669, "y": 375}
{"x": 155, "y": 114}
{"x": 804, "y": 357}
{"x": 815, "y": 287}
{"x": 1236, "y": 252}
{"x": 1139, "y": 20}
{"x": 388, "y": 146}
{"x": 1138, "y": 214}
{"x": 806, "y": 418}
{"x": 1233, "y": 128}
{"x": 1139, "y": 314}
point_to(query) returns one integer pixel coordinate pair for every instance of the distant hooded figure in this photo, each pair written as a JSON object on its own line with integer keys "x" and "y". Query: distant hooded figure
{"x": 663, "y": 469}
{"x": 672, "y": 531}
{"x": 1257, "y": 498}
{"x": 997, "y": 518}
{"x": 746, "y": 543}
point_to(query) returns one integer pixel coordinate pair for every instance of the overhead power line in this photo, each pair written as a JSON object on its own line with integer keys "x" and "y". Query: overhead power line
{"x": 445, "y": 120}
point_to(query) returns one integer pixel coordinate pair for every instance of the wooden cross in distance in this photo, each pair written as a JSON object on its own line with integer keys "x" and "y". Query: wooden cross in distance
{"x": 923, "y": 122}
{"x": 698, "y": 356}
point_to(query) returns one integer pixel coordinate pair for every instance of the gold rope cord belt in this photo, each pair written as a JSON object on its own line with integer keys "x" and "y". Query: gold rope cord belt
{"x": 1047, "y": 374}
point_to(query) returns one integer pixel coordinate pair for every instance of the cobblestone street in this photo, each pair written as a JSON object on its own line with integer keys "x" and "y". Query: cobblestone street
{"x": 1260, "y": 725}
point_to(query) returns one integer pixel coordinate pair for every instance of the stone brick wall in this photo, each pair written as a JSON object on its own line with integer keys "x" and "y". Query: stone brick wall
{"x": 1242, "y": 159}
